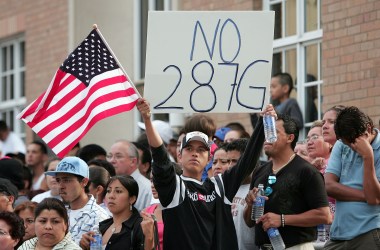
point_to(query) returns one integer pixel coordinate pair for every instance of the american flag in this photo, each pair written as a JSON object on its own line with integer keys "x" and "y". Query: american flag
{"x": 88, "y": 87}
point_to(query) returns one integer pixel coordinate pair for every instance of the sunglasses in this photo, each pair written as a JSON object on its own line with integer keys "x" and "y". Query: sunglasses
{"x": 271, "y": 180}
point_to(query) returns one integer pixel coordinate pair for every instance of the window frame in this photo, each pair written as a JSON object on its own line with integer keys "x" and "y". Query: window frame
{"x": 300, "y": 41}
{"x": 18, "y": 102}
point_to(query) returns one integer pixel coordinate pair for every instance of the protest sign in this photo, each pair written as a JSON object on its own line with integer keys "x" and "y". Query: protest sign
{"x": 217, "y": 61}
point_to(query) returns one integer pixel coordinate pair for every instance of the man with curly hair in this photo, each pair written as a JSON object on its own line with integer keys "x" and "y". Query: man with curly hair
{"x": 352, "y": 178}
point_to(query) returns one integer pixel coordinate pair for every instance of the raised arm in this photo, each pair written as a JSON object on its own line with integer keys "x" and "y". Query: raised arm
{"x": 232, "y": 179}
{"x": 371, "y": 186}
{"x": 153, "y": 137}
{"x": 164, "y": 177}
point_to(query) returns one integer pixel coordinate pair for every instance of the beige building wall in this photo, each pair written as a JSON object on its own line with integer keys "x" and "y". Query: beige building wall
{"x": 115, "y": 21}
{"x": 44, "y": 26}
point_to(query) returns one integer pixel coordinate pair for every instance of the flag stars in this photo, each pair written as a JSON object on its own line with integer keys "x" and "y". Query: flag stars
{"x": 89, "y": 59}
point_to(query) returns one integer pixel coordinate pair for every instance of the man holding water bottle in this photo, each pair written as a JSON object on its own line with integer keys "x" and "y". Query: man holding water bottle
{"x": 296, "y": 199}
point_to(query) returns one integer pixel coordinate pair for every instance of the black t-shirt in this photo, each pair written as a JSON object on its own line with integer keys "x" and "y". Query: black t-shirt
{"x": 197, "y": 215}
{"x": 299, "y": 188}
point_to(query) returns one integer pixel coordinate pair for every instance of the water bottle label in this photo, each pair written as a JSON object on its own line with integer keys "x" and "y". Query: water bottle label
{"x": 260, "y": 201}
{"x": 97, "y": 242}
{"x": 273, "y": 232}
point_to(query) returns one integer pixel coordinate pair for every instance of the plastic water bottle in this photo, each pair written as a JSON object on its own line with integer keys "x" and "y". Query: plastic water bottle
{"x": 275, "y": 239}
{"x": 258, "y": 204}
{"x": 270, "y": 128}
{"x": 321, "y": 233}
{"x": 97, "y": 244}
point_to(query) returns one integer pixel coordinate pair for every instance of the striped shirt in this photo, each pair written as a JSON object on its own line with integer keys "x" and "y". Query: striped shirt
{"x": 66, "y": 243}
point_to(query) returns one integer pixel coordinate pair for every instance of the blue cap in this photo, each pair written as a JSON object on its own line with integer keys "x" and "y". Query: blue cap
{"x": 71, "y": 165}
{"x": 221, "y": 133}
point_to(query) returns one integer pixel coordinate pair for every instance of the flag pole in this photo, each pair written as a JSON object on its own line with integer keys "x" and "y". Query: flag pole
{"x": 117, "y": 61}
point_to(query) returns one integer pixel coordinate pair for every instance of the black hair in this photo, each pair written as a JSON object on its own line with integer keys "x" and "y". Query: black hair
{"x": 239, "y": 145}
{"x": 128, "y": 182}
{"x": 50, "y": 161}
{"x": 3, "y": 126}
{"x": 19, "y": 156}
{"x": 221, "y": 146}
{"x": 290, "y": 127}
{"x": 285, "y": 79}
{"x": 352, "y": 123}
{"x": 80, "y": 179}
{"x": 146, "y": 156}
{"x": 90, "y": 151}
{"x": 27, "y": 176}
{"x": 53, "y": 204}
{"x": 104, "y": 164}
{"x": 16, "y": 224}
{"x": 42, "y": 145}
{"x": 99, "y": 176}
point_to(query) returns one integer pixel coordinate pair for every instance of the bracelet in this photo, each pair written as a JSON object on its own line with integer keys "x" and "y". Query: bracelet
{"x": 282, "y": 220}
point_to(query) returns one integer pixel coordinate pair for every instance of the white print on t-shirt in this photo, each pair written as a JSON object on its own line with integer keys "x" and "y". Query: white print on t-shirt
{"x": 200, "y": 197}
{"x": 235, "y": 202}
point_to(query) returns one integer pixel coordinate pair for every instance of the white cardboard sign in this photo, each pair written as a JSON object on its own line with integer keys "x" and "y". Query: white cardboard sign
{"x": 209, "y": 61}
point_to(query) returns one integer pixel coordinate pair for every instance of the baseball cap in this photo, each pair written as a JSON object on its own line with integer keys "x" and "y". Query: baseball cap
{"x": 7, "y": 187}
{"x": 163, "y": 129}
{"x": 71, "y": 165}
{"x": 221, "y": 133}
{"x": 195, "y": 136}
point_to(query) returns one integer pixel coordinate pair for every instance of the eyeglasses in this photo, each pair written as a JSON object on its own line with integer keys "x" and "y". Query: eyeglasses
{"x": 312, "y": 138}
{"x": 271, "y": 180}
{"x": 118, "y": 156}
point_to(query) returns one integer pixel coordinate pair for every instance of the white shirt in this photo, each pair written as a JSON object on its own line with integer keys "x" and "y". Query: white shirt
{"x": 37, "y": 184}
{"x": 13, "y": 144}
{"x": 145, "y": 191}
{"x": 245, "y": 234}
{"x": 39, "y": 197}
{"x": 84, "y": 219}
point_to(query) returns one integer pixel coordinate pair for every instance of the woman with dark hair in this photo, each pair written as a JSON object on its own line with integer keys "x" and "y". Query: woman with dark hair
{"x": 26, "y": 212}
{"x": 51, "y": 227}
{"x": 123, "y": 230}
{"x": 97, "y": 184}
{"x": 328, "y": 121}
{"x": 11, "y": 230}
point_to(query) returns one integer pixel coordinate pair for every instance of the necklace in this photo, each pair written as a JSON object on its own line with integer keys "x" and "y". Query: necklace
{"x": 113, "y": 229}
{"x": 290, "y": 159}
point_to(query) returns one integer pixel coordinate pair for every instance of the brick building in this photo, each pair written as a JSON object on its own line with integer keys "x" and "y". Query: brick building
{"x": 331, "y": 48}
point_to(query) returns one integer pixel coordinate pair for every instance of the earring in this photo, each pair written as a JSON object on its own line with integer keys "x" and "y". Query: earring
{"x": 130, "y": 207}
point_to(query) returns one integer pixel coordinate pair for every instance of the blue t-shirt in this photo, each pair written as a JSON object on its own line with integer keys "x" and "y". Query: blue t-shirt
{"x": 353, "y": 218}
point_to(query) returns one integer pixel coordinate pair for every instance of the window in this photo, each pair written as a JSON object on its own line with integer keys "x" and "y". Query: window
{"x": 297, "y": 51}
{"x": 12, "y": 83}
{"x": 141, "y": 29}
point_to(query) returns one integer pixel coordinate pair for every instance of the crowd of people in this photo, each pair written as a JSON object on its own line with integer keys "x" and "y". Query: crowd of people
{"x": 197, "y": 189}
